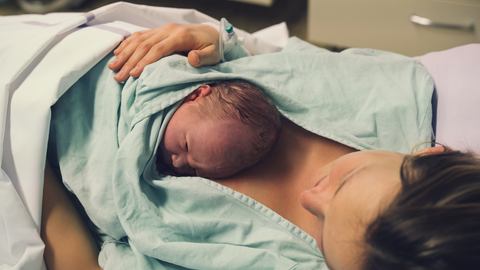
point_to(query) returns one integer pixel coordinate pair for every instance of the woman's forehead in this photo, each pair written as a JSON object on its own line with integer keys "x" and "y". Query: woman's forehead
{"x": 366, "y": 194}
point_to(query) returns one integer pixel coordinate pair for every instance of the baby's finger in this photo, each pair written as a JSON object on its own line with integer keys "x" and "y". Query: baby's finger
{"x": 205, "y": 57}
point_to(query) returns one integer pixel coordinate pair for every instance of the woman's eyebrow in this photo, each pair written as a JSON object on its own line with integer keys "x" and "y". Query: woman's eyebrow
{"x": 347, "y": 178}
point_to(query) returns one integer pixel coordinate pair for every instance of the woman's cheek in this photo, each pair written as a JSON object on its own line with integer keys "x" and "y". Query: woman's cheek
{"x": 319, "y": 234}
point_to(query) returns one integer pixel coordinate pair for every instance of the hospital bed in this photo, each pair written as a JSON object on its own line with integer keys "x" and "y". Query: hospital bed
{"x": 39, "y": 61}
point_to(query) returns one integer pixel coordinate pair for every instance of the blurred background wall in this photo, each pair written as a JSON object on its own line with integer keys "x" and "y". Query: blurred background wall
{"x": 244, "y": 14}
{"x": 409, "y": 27}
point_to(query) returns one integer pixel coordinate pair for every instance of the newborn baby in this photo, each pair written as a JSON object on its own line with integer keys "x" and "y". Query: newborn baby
{"x": 219, "y": 130}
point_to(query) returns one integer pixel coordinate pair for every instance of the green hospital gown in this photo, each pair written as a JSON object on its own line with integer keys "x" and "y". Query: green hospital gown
{"x": 104, "y": 137}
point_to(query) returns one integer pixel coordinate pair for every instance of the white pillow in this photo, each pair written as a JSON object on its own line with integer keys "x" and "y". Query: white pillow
{"x": 456, "y": 74}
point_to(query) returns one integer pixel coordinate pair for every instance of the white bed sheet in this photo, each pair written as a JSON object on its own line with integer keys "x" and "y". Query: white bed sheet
{"x": 40, "y": 58}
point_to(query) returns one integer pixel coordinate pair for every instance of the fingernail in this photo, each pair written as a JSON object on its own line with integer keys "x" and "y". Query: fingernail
{"x": 113, "y": 63}
{"x": 120, "y": 74}
{"x": 135, "y": 69}
{"x": 198, "y": 59}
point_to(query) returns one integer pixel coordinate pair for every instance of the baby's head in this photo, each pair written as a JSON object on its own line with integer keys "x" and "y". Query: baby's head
{"x": 219, "y": 130}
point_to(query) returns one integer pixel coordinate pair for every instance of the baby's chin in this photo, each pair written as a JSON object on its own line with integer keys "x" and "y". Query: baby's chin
{"x": 176, "y": 172}
{"x": 167, "y": 169}
{"x": 220, "y": 174}
{"x": 171, "y": 172}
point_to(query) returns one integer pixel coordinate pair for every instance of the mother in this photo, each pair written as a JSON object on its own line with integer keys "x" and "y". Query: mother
{"x": 371, "y": 209}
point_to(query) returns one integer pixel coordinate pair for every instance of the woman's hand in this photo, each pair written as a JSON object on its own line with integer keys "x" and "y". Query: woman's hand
{"x": 145, "y": 47}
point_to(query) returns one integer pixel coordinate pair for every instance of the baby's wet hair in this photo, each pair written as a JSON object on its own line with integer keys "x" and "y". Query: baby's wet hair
{"x": 243, "y": 101}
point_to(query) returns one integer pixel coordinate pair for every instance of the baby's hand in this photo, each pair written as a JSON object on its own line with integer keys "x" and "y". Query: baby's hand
{"x": 145, "y": 47}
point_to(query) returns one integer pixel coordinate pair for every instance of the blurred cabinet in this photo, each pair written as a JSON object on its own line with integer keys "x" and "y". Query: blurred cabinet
{"x": 409, "y": 27}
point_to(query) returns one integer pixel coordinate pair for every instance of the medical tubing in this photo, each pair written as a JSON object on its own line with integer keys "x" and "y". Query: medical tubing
{"x": 228, "y": 39}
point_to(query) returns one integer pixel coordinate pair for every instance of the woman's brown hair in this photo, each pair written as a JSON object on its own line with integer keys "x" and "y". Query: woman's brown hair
{"x": 434, "y": 222}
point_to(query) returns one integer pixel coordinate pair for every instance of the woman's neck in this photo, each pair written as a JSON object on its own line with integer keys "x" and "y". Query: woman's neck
{"x": 278, "y": 180}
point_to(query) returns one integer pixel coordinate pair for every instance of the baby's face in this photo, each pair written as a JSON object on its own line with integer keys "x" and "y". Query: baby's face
{"x": 193, "y": 145}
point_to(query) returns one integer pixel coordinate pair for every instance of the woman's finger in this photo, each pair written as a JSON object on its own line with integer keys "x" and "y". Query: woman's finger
{"x": 155, "y": 52}
{"x": 138, "y": 48}
{"x": 206, "y": 57}
{"x": 128, "y": 40}
{"x": 148, "y": 46}
{"x": 128, "y": 48}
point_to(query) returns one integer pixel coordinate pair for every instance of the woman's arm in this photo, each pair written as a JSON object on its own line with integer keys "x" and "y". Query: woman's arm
{"x": 145, "y": 47}
{"x": 68, "y": 242}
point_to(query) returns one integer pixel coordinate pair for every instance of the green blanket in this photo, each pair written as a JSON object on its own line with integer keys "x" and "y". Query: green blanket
{"x": 104, "y": 137}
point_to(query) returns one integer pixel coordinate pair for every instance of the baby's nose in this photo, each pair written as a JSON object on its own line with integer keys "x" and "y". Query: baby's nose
{"x": 181, "y": 166}
{"x": 178, "y": 161}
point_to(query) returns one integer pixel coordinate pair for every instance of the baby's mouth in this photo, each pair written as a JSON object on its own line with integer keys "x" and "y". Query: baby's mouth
{"x": 183, "y": 171}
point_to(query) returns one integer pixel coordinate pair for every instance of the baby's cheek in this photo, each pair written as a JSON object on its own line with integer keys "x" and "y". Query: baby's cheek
{"x": 165, "y": 156}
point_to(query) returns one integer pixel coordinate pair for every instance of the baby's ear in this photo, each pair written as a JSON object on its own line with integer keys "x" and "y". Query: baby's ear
{"x": 199, "y": 93}
{"x": 431, "y": 151}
